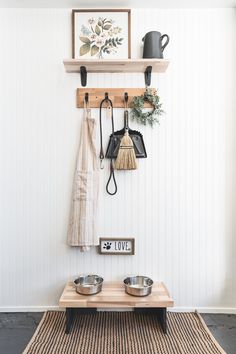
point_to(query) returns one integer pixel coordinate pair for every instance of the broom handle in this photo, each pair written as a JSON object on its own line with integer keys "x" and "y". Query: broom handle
{"x": 126, "y": 119}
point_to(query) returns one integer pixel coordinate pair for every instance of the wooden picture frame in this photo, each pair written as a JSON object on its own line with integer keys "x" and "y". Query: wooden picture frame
{"x": 116, "y": 246}
{"x": 101, "y": 40}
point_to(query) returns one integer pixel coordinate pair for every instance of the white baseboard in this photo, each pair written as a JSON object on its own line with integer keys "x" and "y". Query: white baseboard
{"x": 29, "y": 308}
{"x": 226, "y": 310}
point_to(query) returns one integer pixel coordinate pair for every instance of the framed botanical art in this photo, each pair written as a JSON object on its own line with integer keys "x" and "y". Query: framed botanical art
{"x": 101, "y": 34}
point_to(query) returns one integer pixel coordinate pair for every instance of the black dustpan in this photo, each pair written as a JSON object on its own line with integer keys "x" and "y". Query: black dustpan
{"x": 115, "y": 138}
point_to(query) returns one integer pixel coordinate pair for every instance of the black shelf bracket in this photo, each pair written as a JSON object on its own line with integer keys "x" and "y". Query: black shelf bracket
{"x": 148, "y": 75}
{"x": 83, "y": 75}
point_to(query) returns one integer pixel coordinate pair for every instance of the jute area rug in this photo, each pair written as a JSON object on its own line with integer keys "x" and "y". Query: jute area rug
{"x": 122, "y": 333}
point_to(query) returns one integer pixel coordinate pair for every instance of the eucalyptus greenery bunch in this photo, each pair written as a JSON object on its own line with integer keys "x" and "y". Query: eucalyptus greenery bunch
{"x": 143, "y": 117}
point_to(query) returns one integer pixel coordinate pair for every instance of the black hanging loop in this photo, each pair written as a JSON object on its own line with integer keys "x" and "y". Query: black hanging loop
{"x": 86, "y": 97}
{"x": 83, "y": 75}
{"x": 111, "y": 177}
{"x": 102, "y": 155}
{"x": 148, "y": 75}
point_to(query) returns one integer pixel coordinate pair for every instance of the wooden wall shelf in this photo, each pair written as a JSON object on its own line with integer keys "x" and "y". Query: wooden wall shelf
{"x": 116, "y": 66}
{"x": 146, "y": 66}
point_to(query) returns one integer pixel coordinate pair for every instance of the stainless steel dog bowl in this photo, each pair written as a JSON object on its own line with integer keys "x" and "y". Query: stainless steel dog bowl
{"x": 88, "y": 284}
{"x": 138, "y": 285}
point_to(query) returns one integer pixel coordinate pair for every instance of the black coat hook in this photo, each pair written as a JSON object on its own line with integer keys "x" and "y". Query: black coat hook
{"x": 86, "y": 97}
{"x": 106, "y": 96}
{"x": 126, "y": 97}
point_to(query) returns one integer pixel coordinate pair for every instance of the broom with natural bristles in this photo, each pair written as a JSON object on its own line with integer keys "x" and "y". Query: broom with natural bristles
{"x": 126, "y": 158}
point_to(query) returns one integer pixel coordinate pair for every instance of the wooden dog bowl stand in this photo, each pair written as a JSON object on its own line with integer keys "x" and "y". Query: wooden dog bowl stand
{"x": 113, "y": 295}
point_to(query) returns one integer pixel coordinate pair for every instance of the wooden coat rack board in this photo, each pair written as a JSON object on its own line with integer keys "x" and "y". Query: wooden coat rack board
{"x": 96, "y": 95}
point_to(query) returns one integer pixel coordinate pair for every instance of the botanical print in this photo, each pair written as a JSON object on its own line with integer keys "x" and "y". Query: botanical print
{"x": 100, "y": 36}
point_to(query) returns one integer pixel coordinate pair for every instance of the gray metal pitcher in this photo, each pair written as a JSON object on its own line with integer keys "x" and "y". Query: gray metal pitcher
{"x": 153, "y": 46}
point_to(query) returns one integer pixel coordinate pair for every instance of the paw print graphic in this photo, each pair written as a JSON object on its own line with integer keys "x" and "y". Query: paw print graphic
{"x": 107, "y": 246}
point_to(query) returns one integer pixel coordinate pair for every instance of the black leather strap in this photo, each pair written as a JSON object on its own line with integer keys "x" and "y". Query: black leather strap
{"x": 112, "y": 176}
{"x": 101, "y": 154}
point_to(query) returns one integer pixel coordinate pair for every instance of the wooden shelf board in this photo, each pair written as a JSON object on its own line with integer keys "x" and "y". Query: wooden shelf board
{"x": 115, "y": 66}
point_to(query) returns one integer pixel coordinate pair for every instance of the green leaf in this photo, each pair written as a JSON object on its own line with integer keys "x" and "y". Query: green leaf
{"x": 107, "y": 27}
{"x": 85, "y": 40}
{"x": 94, "y": 50}
{"x": 84, "y": 49}
{"x": 97, "y": 30}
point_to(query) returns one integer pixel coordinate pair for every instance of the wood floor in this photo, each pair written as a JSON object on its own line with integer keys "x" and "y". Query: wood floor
{"x": 16, "y": 330}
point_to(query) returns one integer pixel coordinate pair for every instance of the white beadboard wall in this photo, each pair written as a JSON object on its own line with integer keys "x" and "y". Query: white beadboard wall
{"x": 179, "y": 205}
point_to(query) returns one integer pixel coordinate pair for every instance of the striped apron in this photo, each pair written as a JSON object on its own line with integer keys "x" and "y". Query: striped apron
{"x": 82, "y": 223}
